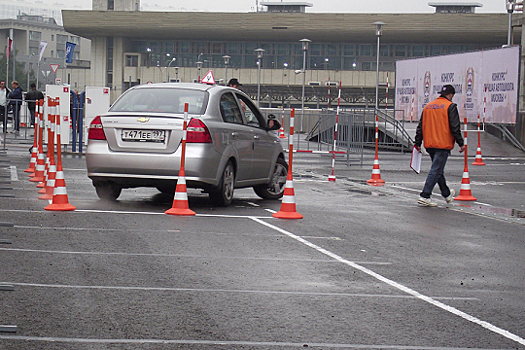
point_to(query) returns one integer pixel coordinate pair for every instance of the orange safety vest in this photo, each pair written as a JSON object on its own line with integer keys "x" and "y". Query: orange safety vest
{"x": 436, "y": 128}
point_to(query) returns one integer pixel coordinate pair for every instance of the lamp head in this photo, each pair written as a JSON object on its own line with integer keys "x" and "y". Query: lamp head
{"x": 305, "y": 43}
{"x": 510, "y": 5}
{"x": 379, "y": 27}
{"x": 259, "y": 52}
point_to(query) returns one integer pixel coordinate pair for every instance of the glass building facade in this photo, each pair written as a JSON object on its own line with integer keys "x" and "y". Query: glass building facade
{"x": 328, "y": 56}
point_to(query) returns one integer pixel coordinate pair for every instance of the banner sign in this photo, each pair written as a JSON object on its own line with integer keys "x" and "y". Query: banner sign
{"x": 41, "y": 49}
{"x": 486, "y": 82}
{"x": 69, "y": 52}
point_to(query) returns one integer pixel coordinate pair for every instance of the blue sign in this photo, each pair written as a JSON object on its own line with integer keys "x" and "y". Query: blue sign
{"x": 69, "y": 52}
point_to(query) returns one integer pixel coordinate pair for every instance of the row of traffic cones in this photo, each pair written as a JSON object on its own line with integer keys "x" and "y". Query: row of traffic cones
{"x": 42, "y": 168}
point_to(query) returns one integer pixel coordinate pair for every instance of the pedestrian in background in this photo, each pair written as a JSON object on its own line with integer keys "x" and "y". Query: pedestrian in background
{"x": 15, "y": 100}
{"x": 31, "y": 97}
{"x": 4, "y": 93}
{"x": 439, "y": 128}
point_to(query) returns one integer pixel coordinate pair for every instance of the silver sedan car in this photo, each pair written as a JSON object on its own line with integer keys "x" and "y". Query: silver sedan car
{"x": 137, "y": 143}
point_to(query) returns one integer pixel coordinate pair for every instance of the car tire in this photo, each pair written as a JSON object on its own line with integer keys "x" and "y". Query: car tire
{"x": 275, "y": 189}
{"x": 107, "y": 190}
{"x": 222, "y": 196}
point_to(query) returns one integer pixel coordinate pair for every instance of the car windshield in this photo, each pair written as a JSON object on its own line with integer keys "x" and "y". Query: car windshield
{"x": 161, "y": 100}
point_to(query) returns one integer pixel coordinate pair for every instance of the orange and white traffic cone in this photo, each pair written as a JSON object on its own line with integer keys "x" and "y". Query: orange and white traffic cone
{"x": 40, "y": 140}
{"x": 40, "y": 167}
{"x": 50, "y": 183}
{"x": 281, "y": 130}
{"x": 376, "y": 179}
{"x": 180, "y": 201}
{"x": 60, "y": 199}
{"x": 465, "y": 194}
{"x": 34, "y": 152}
{"x": 478, "y": 160}
{"x": 288, "y": 209}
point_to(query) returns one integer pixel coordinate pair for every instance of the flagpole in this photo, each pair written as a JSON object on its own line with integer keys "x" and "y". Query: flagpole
{"x": 65, "y": 60}
{"x": 8, "y": 55}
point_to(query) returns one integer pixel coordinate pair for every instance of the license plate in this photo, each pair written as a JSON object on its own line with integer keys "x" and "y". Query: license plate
{"x": 144, "y": 135}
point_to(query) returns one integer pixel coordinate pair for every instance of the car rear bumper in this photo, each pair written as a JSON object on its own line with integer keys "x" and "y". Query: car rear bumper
{"x": 147, "y": 169}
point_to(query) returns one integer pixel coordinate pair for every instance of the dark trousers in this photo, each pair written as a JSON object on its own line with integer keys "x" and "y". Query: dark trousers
{"x": 436, "y": 174}
{"x": 16, "y": 116}
{"x": 3, "y": 118}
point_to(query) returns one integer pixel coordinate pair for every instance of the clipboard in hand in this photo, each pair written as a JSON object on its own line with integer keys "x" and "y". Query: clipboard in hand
{"x": 415, "y": 160}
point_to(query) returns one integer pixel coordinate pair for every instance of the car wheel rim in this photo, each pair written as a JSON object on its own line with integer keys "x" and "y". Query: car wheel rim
{"x": 228, "y": 182}
{"x": 278, "y": 179}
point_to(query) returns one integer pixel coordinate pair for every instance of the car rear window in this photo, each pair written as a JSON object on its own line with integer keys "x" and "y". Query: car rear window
{"x": 161, "y": 100}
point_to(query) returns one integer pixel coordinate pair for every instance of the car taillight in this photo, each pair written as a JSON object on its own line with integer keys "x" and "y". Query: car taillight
{"x": 197, "y": 132}
{"x": 96, "y": 131}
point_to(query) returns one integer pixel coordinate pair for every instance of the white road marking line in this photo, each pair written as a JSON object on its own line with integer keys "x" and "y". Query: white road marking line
{"x": 488, "y": 205}
{"x": 271, "y": 211}
{"x": 275, "y": 344}
{"x": 213, "y": 290}
{"x": 399, "y": 286}
{"x": 253, "y": 204}
{"x": 14, "y": 174}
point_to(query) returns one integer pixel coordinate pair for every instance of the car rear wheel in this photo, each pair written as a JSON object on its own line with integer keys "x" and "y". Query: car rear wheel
{"x": 222, "y": 196}
{"x": 108, "y": 190}
{"x": 275, "y": 189}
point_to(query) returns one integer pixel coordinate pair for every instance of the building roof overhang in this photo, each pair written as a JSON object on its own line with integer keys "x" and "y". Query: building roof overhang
{"x": 288, "y": 27}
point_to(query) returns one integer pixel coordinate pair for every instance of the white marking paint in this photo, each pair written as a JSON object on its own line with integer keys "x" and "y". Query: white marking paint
{"x": 399, "y": 286}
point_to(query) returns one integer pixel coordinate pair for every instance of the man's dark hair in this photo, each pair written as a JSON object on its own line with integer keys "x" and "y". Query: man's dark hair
{"x": 32, "y": 86}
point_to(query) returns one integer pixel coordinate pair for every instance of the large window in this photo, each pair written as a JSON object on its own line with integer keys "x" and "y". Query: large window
{"x": 35, "y": 36}
{"x": 132, "y": 60}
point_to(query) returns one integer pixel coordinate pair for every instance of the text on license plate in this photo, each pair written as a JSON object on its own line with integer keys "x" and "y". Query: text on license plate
{"x": 143, "y": 135}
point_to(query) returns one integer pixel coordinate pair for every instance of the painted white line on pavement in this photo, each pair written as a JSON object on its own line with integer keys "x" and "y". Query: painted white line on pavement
{"x": 229, "y": 291}
{"x": 253, "y": 204}
{"x": 271, "y": 211}
{"x": 222, "y": 343}
{"x": 14, "y": 175}
{"x": 399, "y": 286}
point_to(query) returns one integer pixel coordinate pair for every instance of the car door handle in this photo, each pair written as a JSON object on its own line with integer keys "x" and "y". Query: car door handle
{"x": 235, "y": 135}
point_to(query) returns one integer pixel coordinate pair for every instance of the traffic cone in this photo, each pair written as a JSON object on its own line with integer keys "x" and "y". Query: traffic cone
{"x": 478, "y": 160}
{"x": 34, "y": 152}
{"x": 60, "y": 200}
{"x": 50, "y": 183}
{"x": 376, "y": 180}
{"x": 465, "y": 194}
{"x": 180, "y": 201}
{"x": 281, "y": 133}
{"x": 288, "y": 210}
{"x": 40, "y": 168}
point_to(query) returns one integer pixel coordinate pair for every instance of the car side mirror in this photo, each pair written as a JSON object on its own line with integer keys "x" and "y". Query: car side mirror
{"x": 272, "y": 123}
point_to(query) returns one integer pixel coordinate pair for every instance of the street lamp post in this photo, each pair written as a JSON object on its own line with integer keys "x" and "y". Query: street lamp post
{"x": 226, "y": 62}
{"x": 199, "y": 66}
{"x": 176, "y": 74}
{"x": 510, "y": 10}
{"x": 304, "y": 43}
{"x": 260, "y": 53}
{"x": 169, "y": 65}
{"x": 379, "y": 31}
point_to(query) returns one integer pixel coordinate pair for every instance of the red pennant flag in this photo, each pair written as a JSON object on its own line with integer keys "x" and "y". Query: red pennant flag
{"x": 8, "y": 49}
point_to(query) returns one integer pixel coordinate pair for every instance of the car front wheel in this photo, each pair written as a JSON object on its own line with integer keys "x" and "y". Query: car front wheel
{"x": 222, "y": 196}
{"x": 275, "y": 189}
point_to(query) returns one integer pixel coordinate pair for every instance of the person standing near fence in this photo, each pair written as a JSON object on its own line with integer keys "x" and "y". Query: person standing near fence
{"x": 4, "y": 93}
{"x": 31, "y": 97}
{"x": 15, "y": 98}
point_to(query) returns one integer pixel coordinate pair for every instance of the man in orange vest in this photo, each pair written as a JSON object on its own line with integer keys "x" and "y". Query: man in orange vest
{"x": 440, "y": 128}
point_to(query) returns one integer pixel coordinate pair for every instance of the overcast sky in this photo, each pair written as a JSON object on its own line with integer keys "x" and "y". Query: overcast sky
{"x": 370, "y": 6}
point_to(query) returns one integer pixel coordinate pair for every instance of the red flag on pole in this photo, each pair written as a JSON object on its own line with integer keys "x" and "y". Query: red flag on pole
{"x": 8, "y": 49}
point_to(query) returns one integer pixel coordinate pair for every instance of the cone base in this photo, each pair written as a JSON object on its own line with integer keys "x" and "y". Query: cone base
{"x": 478, "y": 163}
{"x": 40, "y": 185}
{"x": 60, "y": 207}
{"x": 331, "y": 178}
{"x": 179, "y": 211}
{"x": 376, "y": 182}
{"x": 465, "y": 198}
{"x": 29, "y": 170}
{"x": 42, "y": 191}
{"x": 46, "y": 196}
{"x": 282, "y": 137}
{"x": 287, "y": 215}
{"x": 37, "y": 179}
